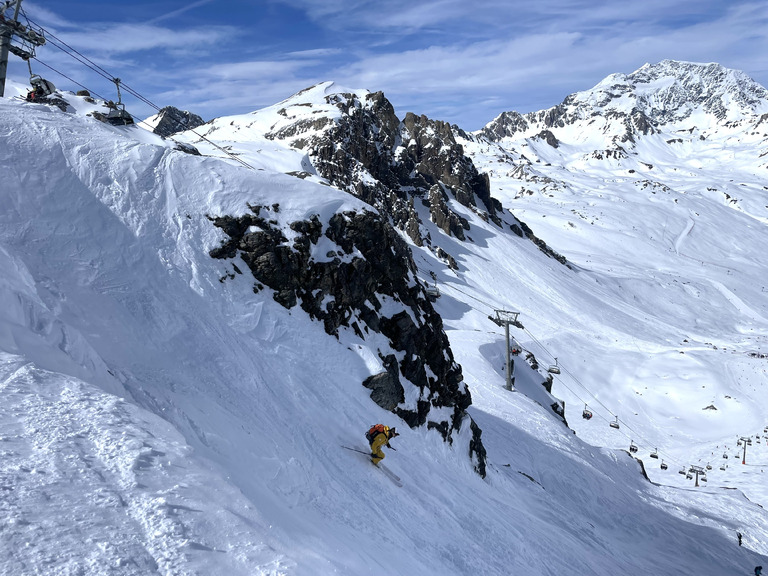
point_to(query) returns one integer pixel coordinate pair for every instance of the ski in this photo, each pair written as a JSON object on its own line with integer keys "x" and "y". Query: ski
{"x": 386, "y": 471}
{"x": 394, "y": 477}
{"x": 356, "y": 450}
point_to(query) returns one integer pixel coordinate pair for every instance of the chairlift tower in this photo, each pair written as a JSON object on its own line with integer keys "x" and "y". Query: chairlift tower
{"x": 505, "y": 318}
{"x": 698, "y": 470}
{"x": 13, "y": 30}
{"x": 745, "y": 441}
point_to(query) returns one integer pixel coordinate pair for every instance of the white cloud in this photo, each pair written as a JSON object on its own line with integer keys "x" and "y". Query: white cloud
{"x": 180, "y": 11}
{"x": 127, "y": 38}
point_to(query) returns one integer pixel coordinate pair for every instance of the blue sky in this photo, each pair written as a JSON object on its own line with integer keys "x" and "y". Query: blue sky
{"x": 453, "y": 60}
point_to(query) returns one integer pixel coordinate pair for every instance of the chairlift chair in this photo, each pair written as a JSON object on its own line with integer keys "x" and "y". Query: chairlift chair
{"x": 689, "y": 476}
{"x": 682, "y": 470}
{"x": 41, "y": 88}
{"x": 725, "y": 455}
{"x": 586, "y": 414}
{"x": 655, "y": 453}
{"x": 703, "y": 478}
{"x": 615, "y": 423}
{"x": 117, "y": 115}
{"x": 749, "y": 442}
{"x": 738, "y": 442}
{"x": 632, "y": 447}
{"x": 433, "y": 293}
{"x": 554, "y": 368}
{"x": 664, "y": 465}
{"x": 722, "y": 467}
{"x": 709, "y": 466}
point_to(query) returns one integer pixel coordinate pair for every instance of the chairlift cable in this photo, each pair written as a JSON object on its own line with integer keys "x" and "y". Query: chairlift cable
{"x": 90, "y": 63}
{"x": 626, "y": 426}
{"x": 67, "y": 77}
{"x": 105, "y": 74}
{"x": 451, "y": 286}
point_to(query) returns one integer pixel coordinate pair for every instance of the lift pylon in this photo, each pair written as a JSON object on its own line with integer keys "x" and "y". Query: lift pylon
{"x": 11, "y": 29}
{"x": 505, "y": 318}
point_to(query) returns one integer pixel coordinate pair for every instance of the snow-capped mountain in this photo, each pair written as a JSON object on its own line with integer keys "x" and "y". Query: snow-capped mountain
{"x": 624, "y": 106}
{"x": 186, "y": 343}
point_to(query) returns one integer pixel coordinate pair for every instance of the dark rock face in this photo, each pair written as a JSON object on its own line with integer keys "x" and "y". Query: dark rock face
{"x": 505, "y": 124}
{"x": 386, "y": 389}
{"x": 549, "y": 138}
{"x": 173, "y": 120}
{"x": 388, "y": 163}
{"x": 349, "y": 287}
{"x": 397, "y": 166}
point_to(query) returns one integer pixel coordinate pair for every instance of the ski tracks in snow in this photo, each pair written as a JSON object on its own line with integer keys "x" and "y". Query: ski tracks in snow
{"x": 679, "y": 241}
{"x": 89, "y": 483}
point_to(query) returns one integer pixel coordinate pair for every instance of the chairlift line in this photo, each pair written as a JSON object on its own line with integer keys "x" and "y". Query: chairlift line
{"x": 120, "y": 116}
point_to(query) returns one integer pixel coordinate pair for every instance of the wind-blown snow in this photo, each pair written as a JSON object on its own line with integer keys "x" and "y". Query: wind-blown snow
{"x": 156, "y": 419}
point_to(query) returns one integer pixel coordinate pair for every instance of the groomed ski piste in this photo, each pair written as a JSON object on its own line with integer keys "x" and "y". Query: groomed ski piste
{"x": 157, "y": 420}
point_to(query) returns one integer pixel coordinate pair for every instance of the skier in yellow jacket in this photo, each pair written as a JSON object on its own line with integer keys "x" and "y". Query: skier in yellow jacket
{"x": 378, "y": 437}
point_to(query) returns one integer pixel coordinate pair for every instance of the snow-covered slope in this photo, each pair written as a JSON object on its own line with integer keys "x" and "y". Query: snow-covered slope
{"x": 160, "y": 416}
{"x": 670, "y": 232}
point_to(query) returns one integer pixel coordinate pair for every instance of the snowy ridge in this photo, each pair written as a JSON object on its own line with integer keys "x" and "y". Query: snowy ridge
{"x": 667, "y": 96}
{"x": 178, "y": 423}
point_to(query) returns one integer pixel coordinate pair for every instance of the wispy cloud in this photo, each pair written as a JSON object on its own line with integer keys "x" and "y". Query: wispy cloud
{"x": 127, "y": 38}
{"x": 179, "y": 12}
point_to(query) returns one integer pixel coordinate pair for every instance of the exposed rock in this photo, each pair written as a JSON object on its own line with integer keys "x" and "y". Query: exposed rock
{"x": 385, "y": 387}
{"x": 370, "y": 267}
{"x": 445, "y": 219}
{"x": 549, "y": 138}
{"x": 387, "y": 163}
{"x": 171, "y": 120}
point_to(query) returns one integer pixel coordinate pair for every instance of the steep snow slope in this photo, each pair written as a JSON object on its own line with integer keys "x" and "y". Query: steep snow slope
{"x": 158, "y": 420}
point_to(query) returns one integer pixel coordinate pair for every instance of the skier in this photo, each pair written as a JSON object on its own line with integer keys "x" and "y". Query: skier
{"x": 738, "y": 534}
{"x": 379, "y": 436}
{"x": 758, "y": 570}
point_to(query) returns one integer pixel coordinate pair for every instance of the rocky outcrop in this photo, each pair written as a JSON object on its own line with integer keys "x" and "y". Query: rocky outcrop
{"x": 505, "y": 124}
{"x": 171, "y": 120}
{"x": 549, "y": 138}
{"x": 370, "y": 153}
{"x": 365, "y": 283}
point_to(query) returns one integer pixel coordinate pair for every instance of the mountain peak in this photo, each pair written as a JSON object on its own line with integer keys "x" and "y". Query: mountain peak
{"x": 654, "y": 95}
{"x": 672, "y": 90}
